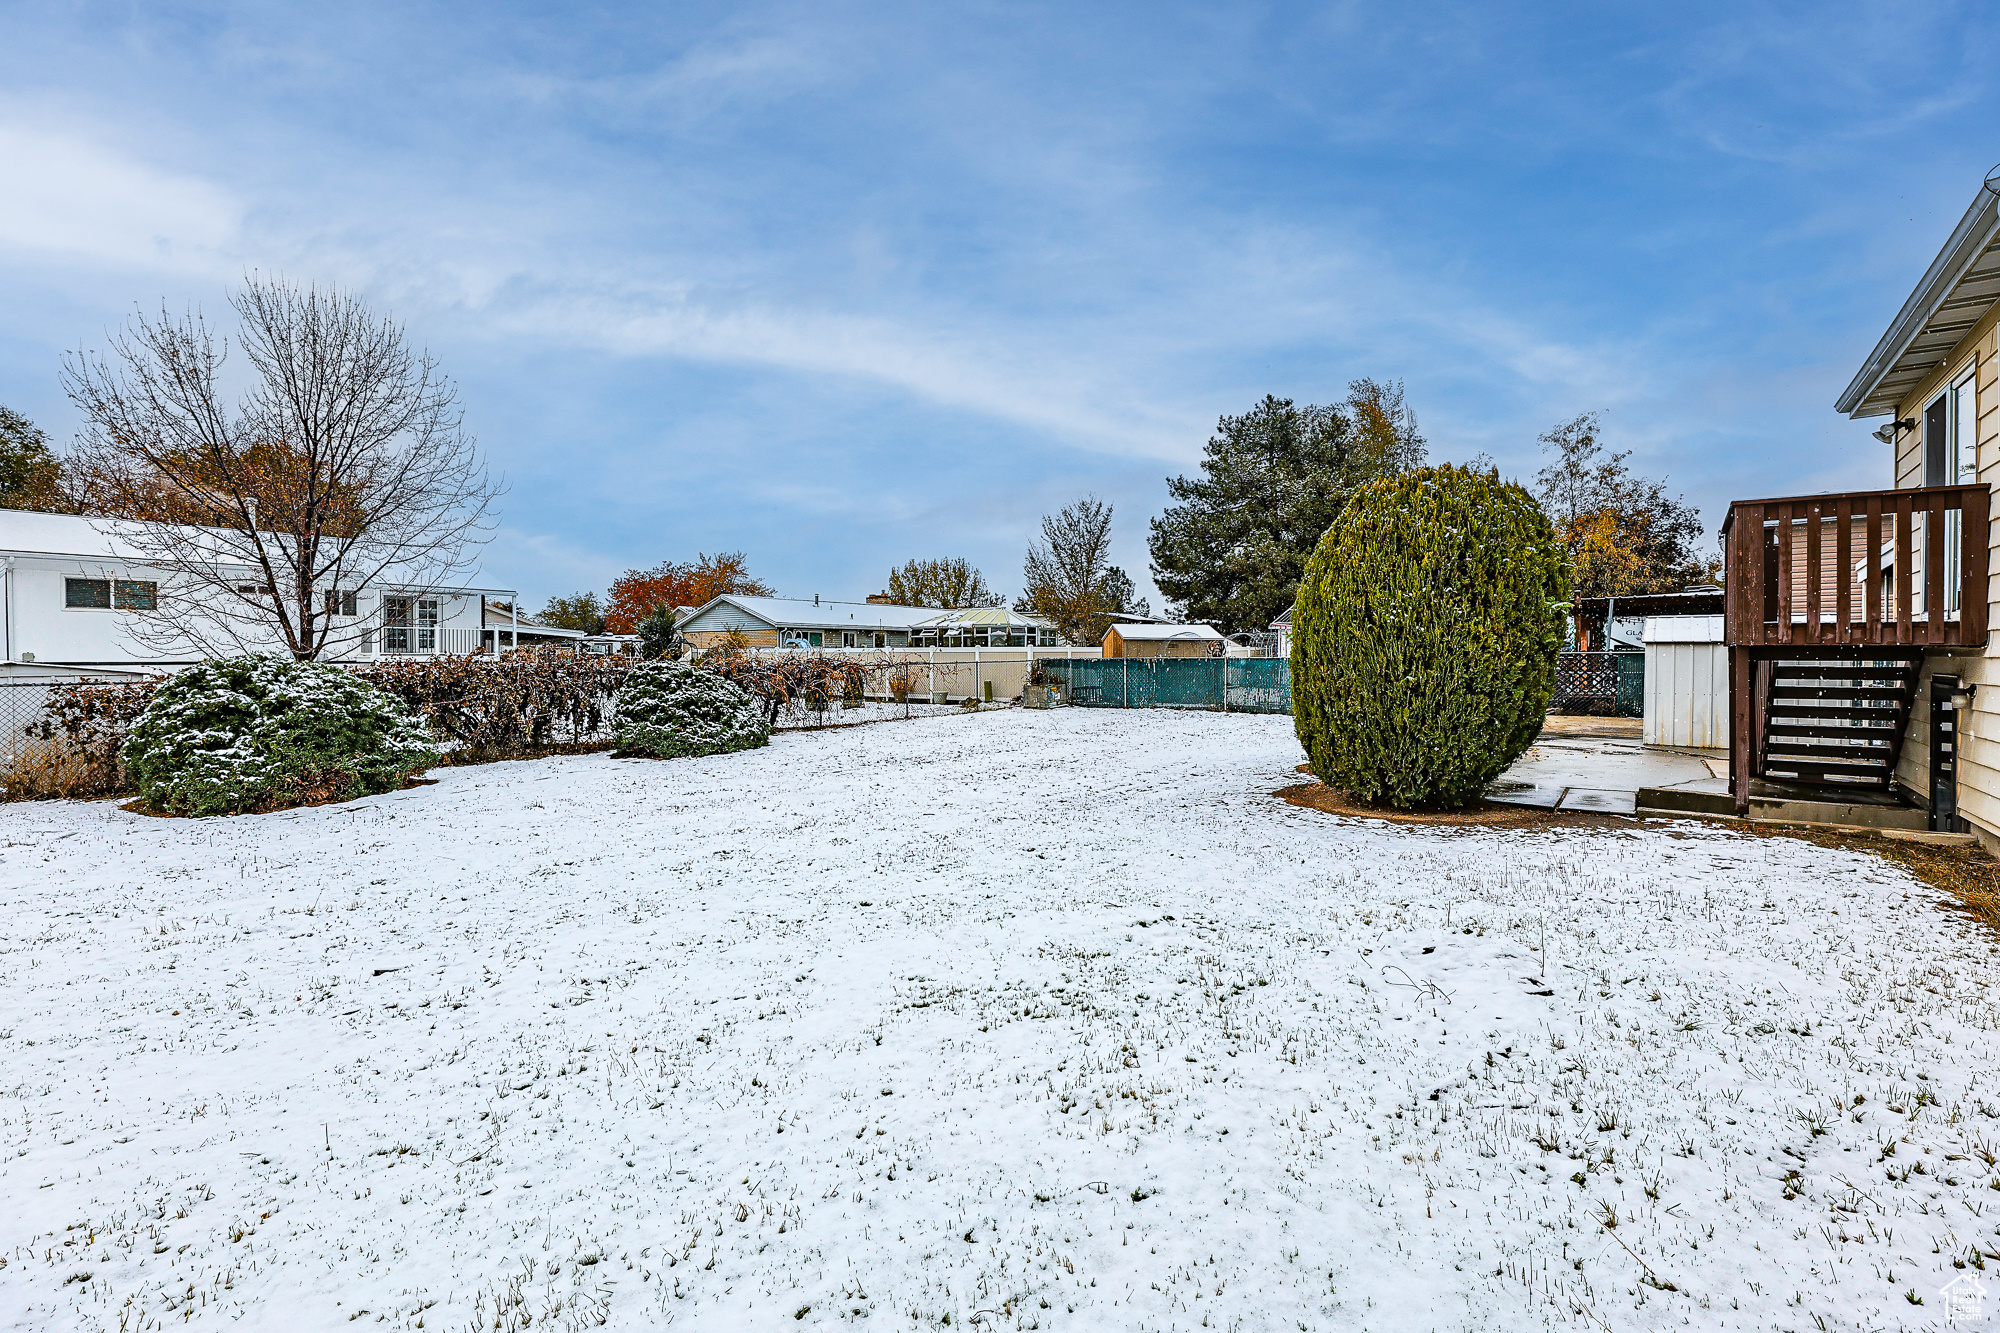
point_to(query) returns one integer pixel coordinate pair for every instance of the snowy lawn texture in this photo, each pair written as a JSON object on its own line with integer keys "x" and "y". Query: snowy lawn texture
{"x": 1021, "y": 1019}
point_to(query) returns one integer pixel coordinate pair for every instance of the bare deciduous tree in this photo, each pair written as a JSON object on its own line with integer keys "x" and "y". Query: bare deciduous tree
{"x": 343, "y": 467}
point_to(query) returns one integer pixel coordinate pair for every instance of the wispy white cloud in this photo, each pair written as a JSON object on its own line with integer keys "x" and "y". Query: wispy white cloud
{"x": 1076, "y": 243}
{"x": 70, "y": 196}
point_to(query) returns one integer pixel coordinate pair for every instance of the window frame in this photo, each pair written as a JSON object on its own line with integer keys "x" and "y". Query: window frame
{"x": 71, "y": 582}
{"x": 119, "y": 594}
{"x": 123, "y": 590}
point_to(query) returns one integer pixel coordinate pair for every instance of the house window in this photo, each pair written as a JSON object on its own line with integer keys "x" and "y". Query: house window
{"x": 409, "y": 624}
{"x": 342, "y": 603}
{"x": 1965, "y": 431}
{"x": 848, "y": 638}
{"x": 106, "y": 594}
{"x": 87, "y": 594}
{"x": 1951, "y": 458}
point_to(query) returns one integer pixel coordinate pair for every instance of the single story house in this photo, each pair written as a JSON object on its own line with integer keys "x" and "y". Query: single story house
{"x": 74, "y": 596}
{"x": 787, "y": 622}
{"x": 527, "y": 632}
{"x": 794, "y": 622}
{"x": 1163, "y": 641}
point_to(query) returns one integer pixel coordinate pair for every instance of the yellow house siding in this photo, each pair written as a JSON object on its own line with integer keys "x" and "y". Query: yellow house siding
{"x": 765, "y": 638}
{"x": 1913, "y": 765}
{"x": 1979, "y": 740}
{"x": 1987, "y": 459}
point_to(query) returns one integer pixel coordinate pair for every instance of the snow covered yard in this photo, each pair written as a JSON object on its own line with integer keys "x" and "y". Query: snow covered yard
{"x": 1012, "y": 1020}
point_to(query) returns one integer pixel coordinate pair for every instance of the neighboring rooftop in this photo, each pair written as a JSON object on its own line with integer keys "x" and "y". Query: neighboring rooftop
{"x": 1148, "y": 633}
{"x": 983, "y": 615}
{"x": 798, "y": 613}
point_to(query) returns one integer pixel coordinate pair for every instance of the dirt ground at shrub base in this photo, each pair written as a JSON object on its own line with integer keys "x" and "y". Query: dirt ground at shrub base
{"x": 1483, "y": 814}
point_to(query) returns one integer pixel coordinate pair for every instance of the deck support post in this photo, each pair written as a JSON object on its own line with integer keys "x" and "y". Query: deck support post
{"x": 1742, "y": 732}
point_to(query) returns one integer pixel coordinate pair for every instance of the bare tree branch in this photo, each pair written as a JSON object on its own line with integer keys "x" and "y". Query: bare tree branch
{"x": 345, "y": 467}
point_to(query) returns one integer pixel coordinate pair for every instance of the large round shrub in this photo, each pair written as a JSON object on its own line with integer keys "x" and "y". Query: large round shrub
{"x": 669, "y": 710}
{"x": 1425, "y": 637}
{"x": 263, "y": 733}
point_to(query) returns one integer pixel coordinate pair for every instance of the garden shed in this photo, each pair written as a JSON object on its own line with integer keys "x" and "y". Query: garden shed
{"x": 1163, "y": 641}
{"x": 1687, "y": 682}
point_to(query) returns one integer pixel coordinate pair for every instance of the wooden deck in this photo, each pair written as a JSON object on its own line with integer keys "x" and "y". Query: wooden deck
{"x": 1830, "y": 602}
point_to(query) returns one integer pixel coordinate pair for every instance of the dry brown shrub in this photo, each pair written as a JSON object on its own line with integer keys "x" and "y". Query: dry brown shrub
{"x": 529, "y": 701}
{"x": 71, "y": 749}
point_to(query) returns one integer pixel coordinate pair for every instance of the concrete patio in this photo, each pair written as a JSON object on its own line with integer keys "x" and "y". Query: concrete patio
{"x": 1599, "y": 765}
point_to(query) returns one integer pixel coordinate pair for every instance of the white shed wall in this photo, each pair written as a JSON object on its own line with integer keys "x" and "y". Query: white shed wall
{"x": 1687, "y": 695}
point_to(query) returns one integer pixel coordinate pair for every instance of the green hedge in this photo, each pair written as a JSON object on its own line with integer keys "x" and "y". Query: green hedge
{"x": 667, "y": 710}
{"x": 262, "y": 733}
{"x": 1425, "y": 636}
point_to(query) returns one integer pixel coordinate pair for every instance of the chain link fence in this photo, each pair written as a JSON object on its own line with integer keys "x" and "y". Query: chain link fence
{"x": 20, "y": 709}
{"x": 1228, "y": 685}
{"x": 1599, "y": 680}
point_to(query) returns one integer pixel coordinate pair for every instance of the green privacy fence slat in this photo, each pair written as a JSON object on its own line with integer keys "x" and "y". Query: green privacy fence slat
{"x": 1631, "y": 699}
{"x": 1235, "y": 685}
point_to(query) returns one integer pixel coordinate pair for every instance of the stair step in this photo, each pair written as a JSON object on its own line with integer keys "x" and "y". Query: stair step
{"x": 1833, "y": 753}
{"x": 1842, "y": 673}
{"x": 1886, "y": 734}
{"x": 1859, "y": 764}
{"x": 1839, "y": 692}
{"x": 1893, "y": 715}
{"x": 1833, "y": 777}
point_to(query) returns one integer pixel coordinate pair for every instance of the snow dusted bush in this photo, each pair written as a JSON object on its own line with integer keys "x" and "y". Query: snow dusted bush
{"x": 667, "y": 710}
{"x": 1425, "y": 637}
{"x": 261, "y": 733}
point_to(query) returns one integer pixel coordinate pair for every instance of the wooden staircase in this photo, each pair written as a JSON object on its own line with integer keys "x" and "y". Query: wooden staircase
{"x": 1835, "y": 722}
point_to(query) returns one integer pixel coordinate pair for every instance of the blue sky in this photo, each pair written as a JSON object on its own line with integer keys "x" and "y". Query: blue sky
{"x": 839, "y": 285}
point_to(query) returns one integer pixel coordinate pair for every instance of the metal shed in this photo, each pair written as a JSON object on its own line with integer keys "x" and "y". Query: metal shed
{"x": 1687, "y": 682}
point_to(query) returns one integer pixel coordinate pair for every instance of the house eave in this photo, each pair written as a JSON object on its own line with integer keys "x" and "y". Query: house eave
{"x": 1956, "y": 292}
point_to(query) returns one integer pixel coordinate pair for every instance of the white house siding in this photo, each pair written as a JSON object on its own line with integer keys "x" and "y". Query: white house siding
{"x": 40, "y": 552}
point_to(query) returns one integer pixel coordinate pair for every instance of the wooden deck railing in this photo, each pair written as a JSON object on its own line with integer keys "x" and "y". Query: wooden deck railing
{"x": 1863, "y": 568}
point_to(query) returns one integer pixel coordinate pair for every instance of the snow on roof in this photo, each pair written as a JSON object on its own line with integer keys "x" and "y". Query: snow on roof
{"x": 28, "y": 532}
{"x": 982, "y": 615}
{"x": 1682, "y": 629}
{"x": 1145, "y": 633}
{"x": 797, "y": 613}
